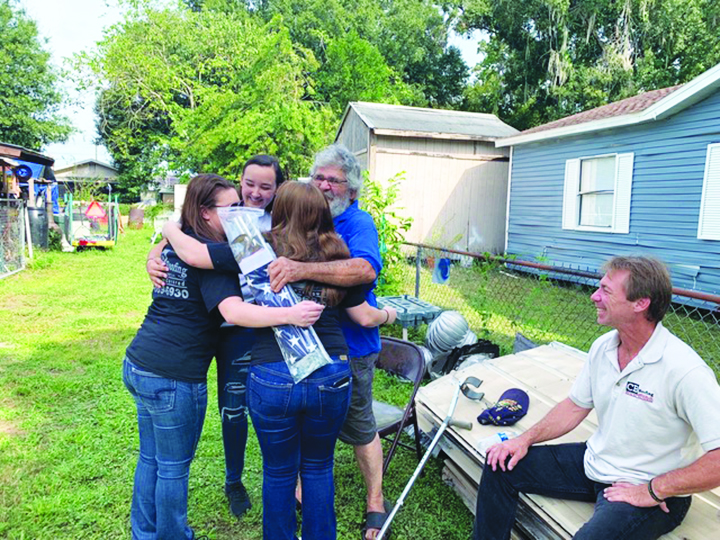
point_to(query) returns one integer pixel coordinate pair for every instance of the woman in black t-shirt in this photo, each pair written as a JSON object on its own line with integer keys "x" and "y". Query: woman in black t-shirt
{"x": 166, "y": 365}
{"x": 298, "y": 424}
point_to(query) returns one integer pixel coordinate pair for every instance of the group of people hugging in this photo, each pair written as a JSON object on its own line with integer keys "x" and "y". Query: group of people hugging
{"x": 328, "y": 252}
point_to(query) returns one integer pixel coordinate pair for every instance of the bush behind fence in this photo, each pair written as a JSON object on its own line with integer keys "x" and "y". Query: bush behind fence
{"x": 501, "y": 297}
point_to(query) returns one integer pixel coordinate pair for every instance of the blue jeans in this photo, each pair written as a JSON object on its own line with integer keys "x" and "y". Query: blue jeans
{"x": 233, "y": 362}
{"x": 170, "y": 419}
{"x": 558, "y": 471}
{"x": 297, "y": 426}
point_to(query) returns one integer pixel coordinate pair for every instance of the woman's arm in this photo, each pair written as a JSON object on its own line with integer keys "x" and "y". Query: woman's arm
{"x": 240, "y": 313}
{"x": 191, "y": 251}
{"x": 370, "y": 317}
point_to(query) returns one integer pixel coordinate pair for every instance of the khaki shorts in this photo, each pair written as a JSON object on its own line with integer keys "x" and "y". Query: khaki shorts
{"x": 360, "y": 427}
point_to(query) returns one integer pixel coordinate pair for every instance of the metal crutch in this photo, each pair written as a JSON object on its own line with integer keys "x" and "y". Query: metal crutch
{"x": 445, "y": 423}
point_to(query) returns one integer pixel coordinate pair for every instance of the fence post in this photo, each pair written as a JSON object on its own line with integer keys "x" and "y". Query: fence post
{"x": 418, "y": 259}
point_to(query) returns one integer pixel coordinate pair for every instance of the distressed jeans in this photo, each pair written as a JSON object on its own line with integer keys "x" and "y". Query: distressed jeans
{"x": 170, "y": 419}
{"x": 297, "y": 426}
{"x": 233, "y": 362}
{"x": 558, "y": 471}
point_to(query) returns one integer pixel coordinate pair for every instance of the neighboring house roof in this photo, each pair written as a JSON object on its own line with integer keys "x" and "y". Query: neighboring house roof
{"x": 645, "y": 107}
{"x": 400, "y": 120}
{"x": 25, "y": 154}
{"x": 87, "y": 170}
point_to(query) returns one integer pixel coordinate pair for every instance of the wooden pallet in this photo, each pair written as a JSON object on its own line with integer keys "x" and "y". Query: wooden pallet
{"x": 546, "y": 374}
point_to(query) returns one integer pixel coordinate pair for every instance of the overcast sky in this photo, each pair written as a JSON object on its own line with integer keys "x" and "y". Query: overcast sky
{"x": 72, "y": 26}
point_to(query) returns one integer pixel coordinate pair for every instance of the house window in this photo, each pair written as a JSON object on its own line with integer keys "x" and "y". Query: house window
{"x": 709, "y": 222}
{"x": 597, "y": 193}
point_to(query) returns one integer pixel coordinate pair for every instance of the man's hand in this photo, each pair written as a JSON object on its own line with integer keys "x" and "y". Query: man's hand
{"x": 632, "y": 494}
{"x": 157, "y": 271}
{"x": 497, "y": 454}
{"x": 283, "y": 271}
{"x": 305, "y": 313}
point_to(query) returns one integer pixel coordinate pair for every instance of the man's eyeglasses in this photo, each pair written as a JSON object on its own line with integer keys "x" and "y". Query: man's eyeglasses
{"x": 319, "y": 179}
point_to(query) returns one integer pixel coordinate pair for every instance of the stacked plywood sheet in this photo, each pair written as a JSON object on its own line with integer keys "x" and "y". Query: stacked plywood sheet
{"x": 546, "y": 374}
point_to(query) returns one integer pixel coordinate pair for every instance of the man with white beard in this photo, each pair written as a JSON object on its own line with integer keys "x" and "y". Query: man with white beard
{"x": 337, "y": 174}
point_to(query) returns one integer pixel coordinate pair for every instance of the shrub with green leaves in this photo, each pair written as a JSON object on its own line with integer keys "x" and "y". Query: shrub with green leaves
{"x": 378, "y": 199}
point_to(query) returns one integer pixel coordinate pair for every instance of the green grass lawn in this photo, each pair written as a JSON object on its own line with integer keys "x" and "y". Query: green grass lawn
{"x": 68, "y": 435}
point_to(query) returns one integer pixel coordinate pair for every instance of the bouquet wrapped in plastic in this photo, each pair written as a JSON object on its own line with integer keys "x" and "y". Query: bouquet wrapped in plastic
{"x": 301, "y": 348}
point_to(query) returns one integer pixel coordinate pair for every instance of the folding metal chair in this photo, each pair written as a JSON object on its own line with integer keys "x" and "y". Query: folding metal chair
{"x": 405, "y": 360}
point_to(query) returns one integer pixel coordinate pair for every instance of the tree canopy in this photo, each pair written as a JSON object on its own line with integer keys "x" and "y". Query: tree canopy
{"x": 29, "y": 94}
{"x": 546, "y": 59}
{"x": 206, "y": 84}
{"x": 417, "y": 68}
{"x": 203, "y": 91}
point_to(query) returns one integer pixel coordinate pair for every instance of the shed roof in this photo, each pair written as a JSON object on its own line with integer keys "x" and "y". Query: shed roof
{"x": 70, "y": 169}
{"x": 401, "y": 120}
{"x": 25, "y": 154}
{"x": 645, "y": 107}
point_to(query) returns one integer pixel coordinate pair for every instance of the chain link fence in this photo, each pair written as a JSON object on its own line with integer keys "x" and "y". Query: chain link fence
{"x": 12, "y": 236}
{"x": 501, "y": 297}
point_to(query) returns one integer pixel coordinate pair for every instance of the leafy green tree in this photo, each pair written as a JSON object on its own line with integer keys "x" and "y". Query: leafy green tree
{"x": 203, "y": 91}
{"x": 546, "y": 59}
{"x": 29, "y": 96}
{"x": 410, "y": 35}
{"x": 354, "y": 70}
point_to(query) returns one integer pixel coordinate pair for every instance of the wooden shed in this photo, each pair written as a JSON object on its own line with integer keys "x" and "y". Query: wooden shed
{"x": 455, "y": 186}
{"x": 641, "y": 175}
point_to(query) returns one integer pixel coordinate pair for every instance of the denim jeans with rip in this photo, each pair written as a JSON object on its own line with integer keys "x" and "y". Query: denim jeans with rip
{"x": 233, "y": 362}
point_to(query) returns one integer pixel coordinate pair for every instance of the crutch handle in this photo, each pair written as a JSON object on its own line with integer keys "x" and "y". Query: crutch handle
{"x": 462, "y": 424}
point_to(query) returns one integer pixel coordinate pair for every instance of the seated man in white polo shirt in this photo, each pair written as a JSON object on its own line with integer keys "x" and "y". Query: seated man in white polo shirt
{"x": 658, "y": 436}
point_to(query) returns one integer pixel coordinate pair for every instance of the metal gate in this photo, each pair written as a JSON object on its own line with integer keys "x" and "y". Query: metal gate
{"x": 12, "y": 236}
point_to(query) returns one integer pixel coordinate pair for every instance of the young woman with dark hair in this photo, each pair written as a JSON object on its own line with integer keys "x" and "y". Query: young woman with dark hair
{"x": 166, "y": 364}
{"x": 261, "y": 177}
{"x": 298, "y": 424}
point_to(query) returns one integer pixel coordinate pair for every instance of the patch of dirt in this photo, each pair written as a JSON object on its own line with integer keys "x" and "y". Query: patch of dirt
{"x": 9, "y": 429}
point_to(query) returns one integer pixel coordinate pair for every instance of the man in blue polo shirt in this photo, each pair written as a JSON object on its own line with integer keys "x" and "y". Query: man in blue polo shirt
{"x": 337, "y": 174}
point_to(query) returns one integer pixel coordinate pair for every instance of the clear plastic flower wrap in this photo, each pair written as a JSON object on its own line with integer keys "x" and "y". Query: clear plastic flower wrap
{"x": 301, "y": 348}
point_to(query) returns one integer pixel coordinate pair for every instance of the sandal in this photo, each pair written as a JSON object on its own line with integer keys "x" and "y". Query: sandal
{"x": 376, "y": 520}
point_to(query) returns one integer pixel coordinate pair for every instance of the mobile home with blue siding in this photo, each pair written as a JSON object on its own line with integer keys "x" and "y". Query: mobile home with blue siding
{"x": 640, "y": 176}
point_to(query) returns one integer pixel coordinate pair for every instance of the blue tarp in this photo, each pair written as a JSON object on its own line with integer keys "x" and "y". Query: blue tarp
{"x": 36, "y": 168}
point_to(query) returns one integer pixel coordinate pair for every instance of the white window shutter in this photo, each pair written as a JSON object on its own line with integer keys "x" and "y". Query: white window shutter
{"x": 623, "y": 192}
{"x": 570, "y": 195}
{"x": 709, "y": 222}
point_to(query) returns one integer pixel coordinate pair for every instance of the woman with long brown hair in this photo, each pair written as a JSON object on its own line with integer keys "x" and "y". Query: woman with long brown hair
{"x": 165, "y": 366}
{"x": 298, "y": 424}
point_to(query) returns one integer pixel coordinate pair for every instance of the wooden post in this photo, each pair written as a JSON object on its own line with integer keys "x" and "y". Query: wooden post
{"x": 27, "y": 233}
{"x": 31, "y": 193}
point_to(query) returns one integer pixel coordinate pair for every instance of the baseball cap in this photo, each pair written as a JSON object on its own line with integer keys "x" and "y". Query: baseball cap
{"x": 511, "y": 407}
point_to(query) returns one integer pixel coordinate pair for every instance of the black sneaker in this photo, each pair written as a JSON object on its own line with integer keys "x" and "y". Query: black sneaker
{"x": 238, "y": 499}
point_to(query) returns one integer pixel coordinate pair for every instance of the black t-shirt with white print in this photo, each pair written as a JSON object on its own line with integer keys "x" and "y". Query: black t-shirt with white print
{"x": 179, "y": 335}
